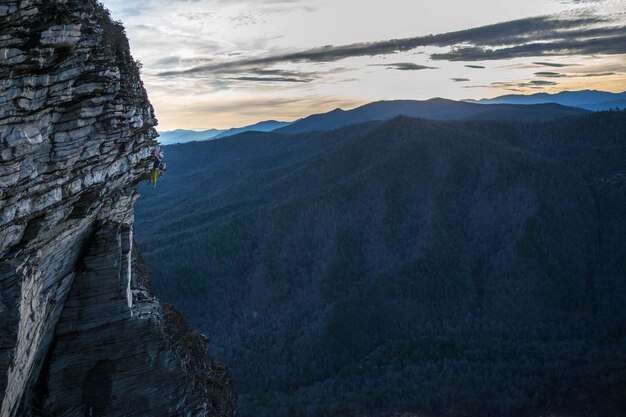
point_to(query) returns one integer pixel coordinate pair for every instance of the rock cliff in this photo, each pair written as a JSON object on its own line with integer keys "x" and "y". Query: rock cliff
{"x": 80, "y": 334}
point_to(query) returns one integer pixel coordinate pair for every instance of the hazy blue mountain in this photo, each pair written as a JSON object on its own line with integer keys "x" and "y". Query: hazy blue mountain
{"x": 449, "y": 268}
{"x": 586, "y": 99}
{"x": 184, "y": 135}
{"x": 265, "y": 126}
{"x": 606, "y": 105}
{"x": 436, "y": 108}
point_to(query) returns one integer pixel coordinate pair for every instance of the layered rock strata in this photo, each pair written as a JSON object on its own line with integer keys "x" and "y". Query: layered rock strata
{"x": 78, "y": 335}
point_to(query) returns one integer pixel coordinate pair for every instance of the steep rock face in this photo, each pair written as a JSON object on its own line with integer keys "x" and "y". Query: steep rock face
{"x": 78, "y": 334}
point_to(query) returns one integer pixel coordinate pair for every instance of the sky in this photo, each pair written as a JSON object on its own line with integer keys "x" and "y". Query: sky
{"x": 229, "y": 63}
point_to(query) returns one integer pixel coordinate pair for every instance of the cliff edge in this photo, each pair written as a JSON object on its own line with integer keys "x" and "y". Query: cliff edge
{"x": 79, "y": 332}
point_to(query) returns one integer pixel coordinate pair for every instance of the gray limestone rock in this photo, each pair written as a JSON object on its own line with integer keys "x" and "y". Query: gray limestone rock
{"x": 80, "y": 332}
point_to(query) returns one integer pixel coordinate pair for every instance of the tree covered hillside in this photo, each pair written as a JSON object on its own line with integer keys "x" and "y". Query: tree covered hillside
{"x": 465, "y": 268}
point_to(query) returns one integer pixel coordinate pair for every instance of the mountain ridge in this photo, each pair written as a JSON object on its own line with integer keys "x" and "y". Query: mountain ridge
{"x": 594, "y": 100}
{"x": 435, "y": 108}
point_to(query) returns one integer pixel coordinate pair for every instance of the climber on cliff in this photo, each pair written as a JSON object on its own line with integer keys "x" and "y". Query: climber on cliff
{"x": 156, "y": 165}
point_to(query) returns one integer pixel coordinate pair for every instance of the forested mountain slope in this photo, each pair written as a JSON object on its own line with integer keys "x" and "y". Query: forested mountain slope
{"x": 460, "y": 268}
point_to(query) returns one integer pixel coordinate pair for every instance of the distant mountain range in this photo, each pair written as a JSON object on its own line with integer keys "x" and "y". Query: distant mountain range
{"x": 585, "y": 99}
{"x": 436, "y": 108}
{"x": 540, "y": 106}
{"x": 183, "y": 135}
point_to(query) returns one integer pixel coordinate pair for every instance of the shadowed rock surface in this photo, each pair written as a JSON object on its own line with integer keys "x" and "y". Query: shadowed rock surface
{"x": 78, "y": 327}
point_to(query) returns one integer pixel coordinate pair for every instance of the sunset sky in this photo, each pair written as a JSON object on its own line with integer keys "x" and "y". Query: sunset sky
{"x": 225, "y": 63}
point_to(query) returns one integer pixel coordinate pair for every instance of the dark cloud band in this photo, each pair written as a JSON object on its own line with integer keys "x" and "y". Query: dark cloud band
{"x": 404, "y": 66}
{"x": 535, "y": 36}
{"x": 608, "y": 45}
{"x": 552, "y": 64}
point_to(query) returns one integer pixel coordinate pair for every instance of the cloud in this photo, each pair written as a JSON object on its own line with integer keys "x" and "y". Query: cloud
{"x": 534, "y": 36}
{"x": 553, "y": 64}
{"x": 549, "y": 74}
{"x": 537, "y": 82}
{"x": 168, "y": 61}
{"x": 404, "y": 66}
{"x": 475, "y": 66}
{"x": 459, "y": 80}
{"x": 276, "y": 75}
{"x": 611, "y": 45}
{"x": 515, "y": 85}
{"x": 532, "y": 83}
{"x": 598, "y": 74}
{"x": 257, "y": 15}
{"x": 254, "y": 77}
{"x": 271, "y": 79}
